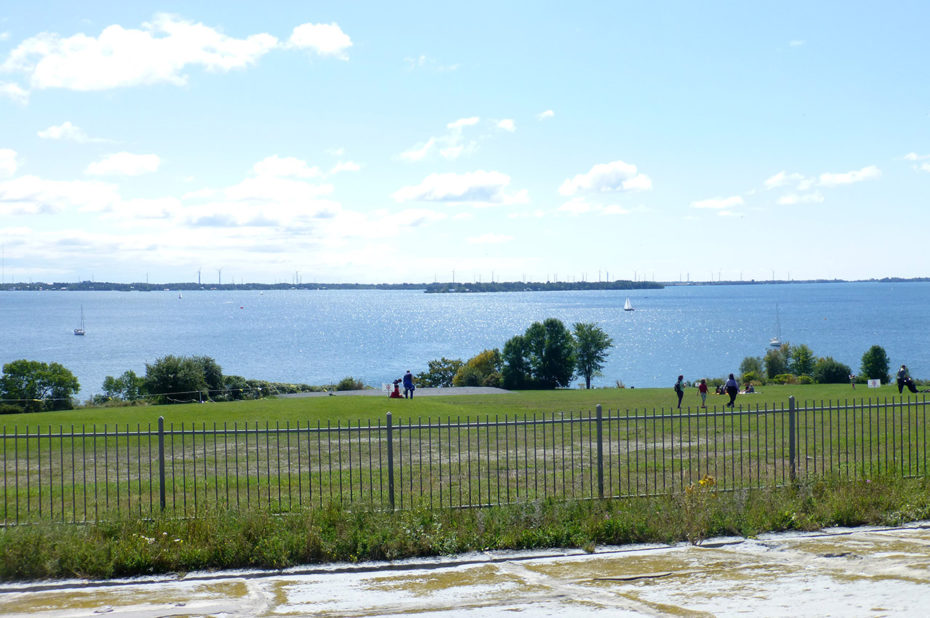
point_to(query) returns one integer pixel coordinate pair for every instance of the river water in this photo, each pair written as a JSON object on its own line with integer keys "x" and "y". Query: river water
{"x": 841, "y": 572}
{"x": 321, "y": 336}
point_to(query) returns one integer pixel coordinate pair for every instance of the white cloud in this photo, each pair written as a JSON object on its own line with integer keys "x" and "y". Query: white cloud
{"x": 804, "y": 198}
{"x": 419, "y": 151}
{"x": 925, "y": 167}
{"x": 345, "y": 166}
{"x": 489, "y": 239}
{"x": 8, "y": 164}
{"x": 507, "y": 124}
{"x": 14, "y": 92}
{"x": 450, "y": 146}
{"x": 124, "y": 164}
{"x": 69, "y": 132}
{"x": 324, "y": 39}
{"x": 479, "y": 188}
{"x": 606, "y": 178}
{"x": 463, "y": 122}
{"x": 285, "y": 167}
{"x": 119, "y": 57}
{"x": 866, "y": 173}
{"x": 544, "y": 115}
{"x": 796, "y": 43}
{"x": 782, "y": 179}
{"x": 718, "y": 203}
{"x": 34, "y": 195}
{"x": 913, "y": 156}
{"x": 4, "y": 36}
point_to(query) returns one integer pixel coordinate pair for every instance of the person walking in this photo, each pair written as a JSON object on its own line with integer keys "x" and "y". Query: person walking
{"x": 408, "y": 385}
{"x": 680, "y": 389}
{"x": 732, "y": 388}
{"x": 702, "y": 389}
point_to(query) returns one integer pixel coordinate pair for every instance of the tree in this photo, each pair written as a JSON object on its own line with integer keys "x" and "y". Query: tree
{"x": 439, "y": 373}
{"x": 801, "y": 360}
{"x": 875, "y": 364}
{"x": 591, "y": 345}
{"x": 829, "y": 371}
{"x": 516, "y": 373}
{"x": 483, "y": 369}
{"x": 127, "y": 387}
{"x": 543, "y": 357}
{"x": 36, "y": 386}
{"x": 176, "y": 379}
{"x": 776, "y": 361}
{"x": 751, "y": 365}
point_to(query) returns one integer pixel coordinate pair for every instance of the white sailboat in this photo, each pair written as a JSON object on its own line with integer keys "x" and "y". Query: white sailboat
{"x": 775, "y": 341}
{"x": 628, "y": 306}
{"x": 80, "y": 331}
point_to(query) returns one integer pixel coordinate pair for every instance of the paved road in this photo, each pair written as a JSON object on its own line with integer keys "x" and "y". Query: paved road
{"x": 840, "y": 572}
{"x": 420, "y": 392}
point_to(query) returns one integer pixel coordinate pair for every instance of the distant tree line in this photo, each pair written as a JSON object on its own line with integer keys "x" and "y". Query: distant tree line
{"x": 789, "y": 364}
{"x": 32, "y": 386}
{"x": 546, "y": 356}
{"x": 539, "y": 286}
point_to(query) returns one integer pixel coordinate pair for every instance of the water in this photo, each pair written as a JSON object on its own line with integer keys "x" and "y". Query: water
{"x": 321, "y": 336}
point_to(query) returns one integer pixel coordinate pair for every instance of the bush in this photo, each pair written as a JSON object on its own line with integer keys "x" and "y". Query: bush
{"x": 875, "y": 364}
{"x": 829, "y": 371}
{"x": 805, "y": 380}
{"x": 785, "y": 378}
{"x": 350, "y": 384}
{"x": 752, "y": 376}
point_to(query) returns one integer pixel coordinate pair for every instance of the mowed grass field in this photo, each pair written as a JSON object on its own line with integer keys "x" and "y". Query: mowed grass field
{"x": 343, "y": 408}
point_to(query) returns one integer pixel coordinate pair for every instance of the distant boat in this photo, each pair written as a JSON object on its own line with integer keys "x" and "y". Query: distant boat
{"x": 180, "y": 296}
{"x": 628, "y": 306}
{"x": 775, "y": 341}
{"x": 80, "y": 331}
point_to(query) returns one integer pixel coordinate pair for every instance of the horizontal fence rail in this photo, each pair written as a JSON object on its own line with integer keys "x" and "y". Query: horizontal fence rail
{"x": 82, "y": 474}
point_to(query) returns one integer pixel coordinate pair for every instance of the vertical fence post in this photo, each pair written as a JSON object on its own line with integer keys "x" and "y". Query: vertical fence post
{"x": 161, "y": 462}
{"x": 792, "y": 439}
{"x": 600, "y": 452}
{"x": 390, "y": 456}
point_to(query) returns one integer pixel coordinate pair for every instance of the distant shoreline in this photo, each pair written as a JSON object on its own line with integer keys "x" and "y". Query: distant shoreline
{"x": 428, "y": 288}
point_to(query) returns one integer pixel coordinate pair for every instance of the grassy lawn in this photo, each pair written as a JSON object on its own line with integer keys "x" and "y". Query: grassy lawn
{"x": 344, "y": 408}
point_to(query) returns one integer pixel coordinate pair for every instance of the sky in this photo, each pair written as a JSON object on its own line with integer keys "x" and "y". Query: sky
{"x": 425, "y": 141}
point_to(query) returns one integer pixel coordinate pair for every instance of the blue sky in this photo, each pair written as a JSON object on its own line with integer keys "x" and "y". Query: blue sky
{"x": 391, "y": 142}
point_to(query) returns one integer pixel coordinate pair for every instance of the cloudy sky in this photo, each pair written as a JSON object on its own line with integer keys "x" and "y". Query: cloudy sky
{"x": 391, "y": 142}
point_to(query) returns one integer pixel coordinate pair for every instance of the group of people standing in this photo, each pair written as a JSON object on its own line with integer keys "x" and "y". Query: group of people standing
{"x": 731, "y": 388}
{"x": 409, "y": 387}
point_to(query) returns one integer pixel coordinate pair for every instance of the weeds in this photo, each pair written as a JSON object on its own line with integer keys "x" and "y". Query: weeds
{"x": 261, "y": 539}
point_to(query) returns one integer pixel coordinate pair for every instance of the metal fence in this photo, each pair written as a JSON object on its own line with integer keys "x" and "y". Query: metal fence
{"x": 88, "y": 474}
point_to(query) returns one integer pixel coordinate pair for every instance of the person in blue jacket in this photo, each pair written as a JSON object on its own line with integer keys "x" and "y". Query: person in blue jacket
{"x": 408, "y": 385}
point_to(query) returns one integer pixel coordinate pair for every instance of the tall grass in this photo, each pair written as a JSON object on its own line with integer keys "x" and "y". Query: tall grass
{"x": 259, "y": 539}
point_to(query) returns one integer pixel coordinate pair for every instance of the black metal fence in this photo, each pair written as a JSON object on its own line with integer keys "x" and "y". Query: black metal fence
{"x": 89, "y": 474}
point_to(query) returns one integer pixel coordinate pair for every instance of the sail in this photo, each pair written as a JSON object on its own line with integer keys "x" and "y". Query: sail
{"x": 628, "y": 306}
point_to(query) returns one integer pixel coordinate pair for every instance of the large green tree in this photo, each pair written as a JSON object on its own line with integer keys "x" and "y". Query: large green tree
{"x": 440, "y": 372}
{"x": 591, "y": 346}
{"x": 875, "y": 364}
{"x": 483, "y": 369}
{"x": 776, "y": 361}
{"x": 181, "y": 379}
{"x": 127, "y": 387}
{"x": 543, "y": 357}
{"x": 830, "y": 371}
{"x": 801, "y": 360}
{"x": 35, "y": 386}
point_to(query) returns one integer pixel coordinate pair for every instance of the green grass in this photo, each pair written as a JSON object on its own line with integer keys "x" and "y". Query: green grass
{"x": 259, "y": 539}
{"x": 355, "y": 408}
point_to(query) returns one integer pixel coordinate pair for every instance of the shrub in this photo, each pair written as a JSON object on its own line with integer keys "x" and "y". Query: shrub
{"x": 829, "y": 371}
{"x": 805, "y": 380}
{"x": 785, "y": 378}
{"x": 350, "y": 384}
{"x": 752, "y": 376}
